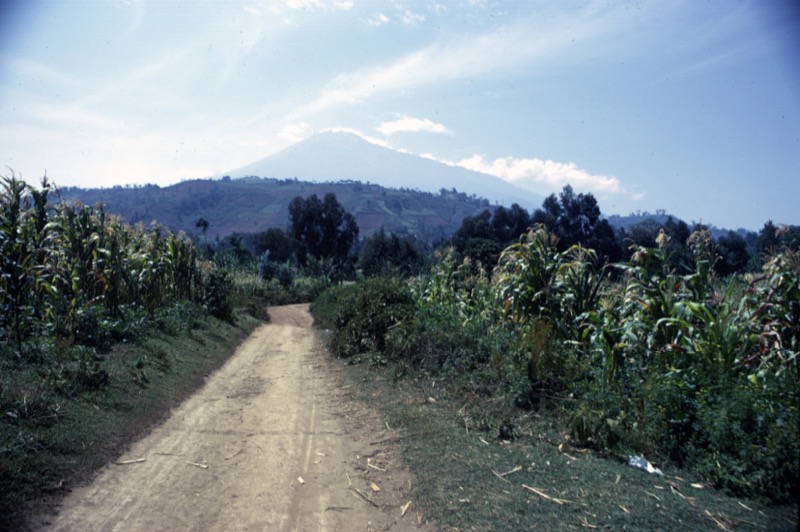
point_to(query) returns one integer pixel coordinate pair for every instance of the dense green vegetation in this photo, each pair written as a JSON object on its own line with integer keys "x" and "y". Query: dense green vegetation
{"x": 474, "y": 458}
{"x": 252, "y": 205}
{"x": 655, "y": 339}
{"x": 99, "y": 333}
{"x": 649, "y": 355}
{"x": 77, "y": 275}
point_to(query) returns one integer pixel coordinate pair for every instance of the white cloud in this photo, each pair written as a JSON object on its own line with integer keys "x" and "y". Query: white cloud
{"x": 377, "y": 20}
{"x": 344, "y": 5}
{"x": 296, "y": 132}
{"x": 538, "y": 174}
{"x": 410, "y": 124}
{"x": 437, "y": 8}
{"x": 371, "y": 140}
{"x": 411, "y": 18}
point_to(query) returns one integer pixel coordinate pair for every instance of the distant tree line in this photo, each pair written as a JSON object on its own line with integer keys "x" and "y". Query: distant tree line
{"x": 322, "y": 237}
{"x": 577, "y": 219}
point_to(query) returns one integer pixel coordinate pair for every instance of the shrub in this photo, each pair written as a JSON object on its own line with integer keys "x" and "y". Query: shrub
{"x": 436, "y": 339}
{"x": 363, "y": 314}
{"x": 683, "y": 368}
{"x": 217, "y": 294}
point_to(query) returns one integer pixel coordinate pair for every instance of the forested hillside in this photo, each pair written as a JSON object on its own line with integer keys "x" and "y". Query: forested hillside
{"x": 252, "y": 205}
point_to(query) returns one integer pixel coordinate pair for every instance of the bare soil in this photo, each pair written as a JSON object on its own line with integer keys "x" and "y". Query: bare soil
{"x": 271, "y": 442}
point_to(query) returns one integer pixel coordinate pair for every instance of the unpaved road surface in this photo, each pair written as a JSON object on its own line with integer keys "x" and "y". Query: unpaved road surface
{"x": 271, "y": 442}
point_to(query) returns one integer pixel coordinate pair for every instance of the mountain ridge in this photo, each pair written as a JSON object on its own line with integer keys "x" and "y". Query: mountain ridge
{"x": 338, "y": 156}
{"x": 424, "y": 198}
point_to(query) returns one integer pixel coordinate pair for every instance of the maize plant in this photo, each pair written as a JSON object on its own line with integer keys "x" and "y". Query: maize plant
{"x": 61, "y": 259}
{"x": 17, "y": 260}
{"x": 534, "y": 281}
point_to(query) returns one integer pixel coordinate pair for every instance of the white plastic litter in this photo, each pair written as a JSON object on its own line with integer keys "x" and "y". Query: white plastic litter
{"x": 640, "y": 462}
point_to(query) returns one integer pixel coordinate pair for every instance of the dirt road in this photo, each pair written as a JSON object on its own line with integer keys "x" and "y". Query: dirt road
{"x": 269, "y": 443}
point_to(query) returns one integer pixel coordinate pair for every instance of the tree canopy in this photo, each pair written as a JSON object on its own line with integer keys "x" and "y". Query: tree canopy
{"x": 382, "y": 254}
{"x": 321, "y": 229}
{"x": 575, "y": 219}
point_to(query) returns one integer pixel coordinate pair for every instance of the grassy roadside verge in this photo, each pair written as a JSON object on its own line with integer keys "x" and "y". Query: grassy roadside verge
{"x": 44, "y": 456}
{"x": 468, "y": 478}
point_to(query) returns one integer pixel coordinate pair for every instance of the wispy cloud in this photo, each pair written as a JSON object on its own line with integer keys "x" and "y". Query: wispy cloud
{"x": 502, "y": 49}
{"x": 371, "y": 140}
{"x": 296, "y": 132}
{"x": 411, "y": 18}
{"x": 318, "y": 4}
{"x": 412, "y": 125}
{"x": 377, "y": 20}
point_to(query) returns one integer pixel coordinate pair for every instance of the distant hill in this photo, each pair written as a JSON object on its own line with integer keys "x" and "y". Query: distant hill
{"x": 344, "y": 156}
{"x": 660, "y": 218}
{"x": 249, "y": 205}
{"x": 381, "y": 187}
{"x": 255, "y": 204}
{"x": 404, "y": 193}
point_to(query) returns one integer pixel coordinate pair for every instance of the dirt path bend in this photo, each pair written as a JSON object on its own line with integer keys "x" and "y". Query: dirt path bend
{"x": 269, "y": 443}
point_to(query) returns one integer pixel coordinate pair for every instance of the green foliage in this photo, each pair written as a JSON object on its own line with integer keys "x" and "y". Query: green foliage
{"x": 733, "y": 254}
{"x": 672, "y": 362}
{"x": 774, "y": 239}
{"x": 575, "y": 219}
{"x": 217, "y": 294}
{"x": 73, "y": 282}
{"x": 502, "y": 226}
{"x": 269, "y": 270}
{"x": 274, "y": 241}
{"x": 322, "y": 230}
{"x": 482, "y": 237}
{"x": 67, "y": 268}
{"x": 383, "y": 255}
{"x": 364, "y": 313}
{"x": 535, "y": 282}
{"x": 698, "y": 369}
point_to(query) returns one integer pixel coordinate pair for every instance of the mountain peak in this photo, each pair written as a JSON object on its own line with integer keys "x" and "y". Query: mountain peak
{"x": 341, "y": 156}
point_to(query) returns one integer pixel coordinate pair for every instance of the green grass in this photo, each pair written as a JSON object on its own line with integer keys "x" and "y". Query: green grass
{"x": 67, "y": 435}
{"x": 453, "y": 448}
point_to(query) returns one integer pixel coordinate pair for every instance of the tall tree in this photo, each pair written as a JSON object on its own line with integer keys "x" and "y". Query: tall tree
{"x": 203, "y": 224}
{"x": 575, "y": 219}
{"x": 768, "y": 240}
{"x": 478, "y": 226}
{"x": 321, "y": 229}
{"x": 273, "y": 240}
{"x": 384, "y": 253}
{"x": 509, "y": 224}
{"x": 733, "y": 255}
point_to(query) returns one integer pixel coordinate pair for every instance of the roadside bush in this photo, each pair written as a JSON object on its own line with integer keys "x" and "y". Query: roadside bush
{"x": 699, "y": 371}
{"x": 689, "y": 369}
{"x": 269, "y": 270}
{"x": 436, "y": 339}
{"x": 325, "y": 307}
{"x": 217, "y": 291}
{"x": 362, "y": 314}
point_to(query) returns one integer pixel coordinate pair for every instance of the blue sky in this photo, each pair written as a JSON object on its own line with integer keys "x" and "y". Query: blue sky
{"x": 689, "y": 106}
